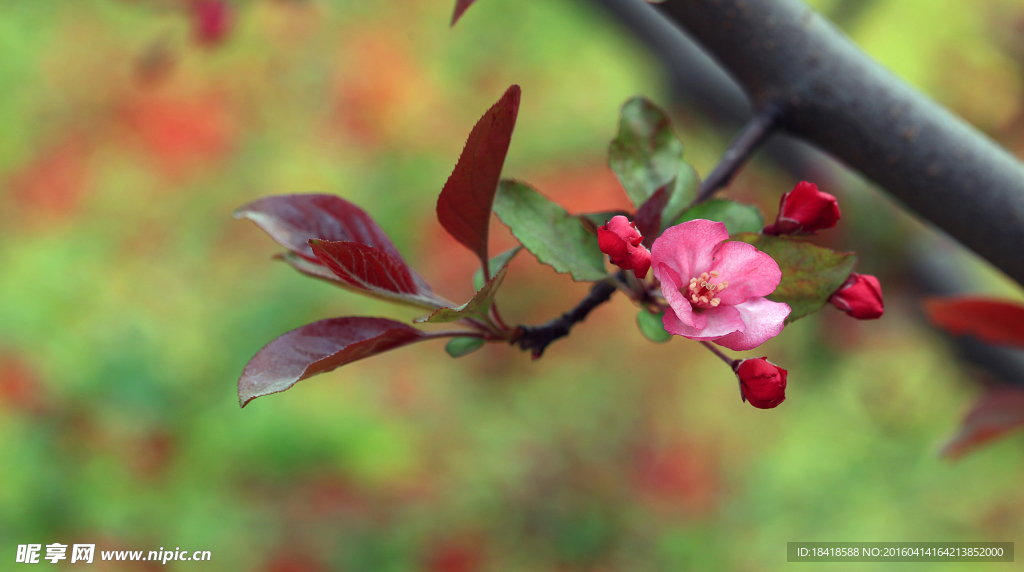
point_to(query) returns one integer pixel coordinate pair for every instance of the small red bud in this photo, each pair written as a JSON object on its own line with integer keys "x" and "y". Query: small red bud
{"x": 621, "y": 241}
{"x": 804, "y": 210}
{"x": 860, "y": 296}
{"x": 762, "y": 383}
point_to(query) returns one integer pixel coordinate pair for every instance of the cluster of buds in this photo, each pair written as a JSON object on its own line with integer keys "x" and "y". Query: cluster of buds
{"x": 806, "y": 210}
{"x": 701, "y": 312}
{"x": 622, "y": 242}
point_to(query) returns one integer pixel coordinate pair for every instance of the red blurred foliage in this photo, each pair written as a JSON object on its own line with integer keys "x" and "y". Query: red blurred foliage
{"x": 455, "y": 556}
{"x": 20, "y": 388}
{"x": 681, "y": 477}
{"x": 990, "y": 320}
{"x": 999, "y": 411}
{"x": 54, "y": 182}
{"x": 211, "y": 21}
{"x": 582, "y": 188}
{"x": 381, "y": 80}
{"x": 292, "y": 562}
{"x": 329, "y": 495}
{"x": 181, "y": 134}
{"x": 151, "y": 455}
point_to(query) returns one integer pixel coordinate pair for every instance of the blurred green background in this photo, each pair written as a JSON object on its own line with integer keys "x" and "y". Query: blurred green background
{"x": 130, "y": 300}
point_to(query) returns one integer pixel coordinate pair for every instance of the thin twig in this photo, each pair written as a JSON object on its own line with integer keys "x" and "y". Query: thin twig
{"x": 731, "y": 362}
{"x": 755, "y": 132}
{"x": 538, "y": 338}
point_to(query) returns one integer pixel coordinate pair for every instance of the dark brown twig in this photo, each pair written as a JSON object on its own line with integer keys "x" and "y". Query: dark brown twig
{"x": 538, "y": 338}
{"x": 753, "y": 134}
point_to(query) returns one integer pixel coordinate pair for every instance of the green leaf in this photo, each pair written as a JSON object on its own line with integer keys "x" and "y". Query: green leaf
{"x": 737, "y": 217}
{"x": 810, "y": 273}
{"x": 496, "y": 262}
{"x": 646, "y": 155}
{"x": 684, "y": 191}
{"x": 478, "y": 307}
{"x": 652, "y": 327}
{"x": 550, "y": 233}
{"x": 463, "y": 345}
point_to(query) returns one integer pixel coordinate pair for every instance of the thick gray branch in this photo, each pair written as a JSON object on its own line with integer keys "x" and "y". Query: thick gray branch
{"x": 838, "y": 98}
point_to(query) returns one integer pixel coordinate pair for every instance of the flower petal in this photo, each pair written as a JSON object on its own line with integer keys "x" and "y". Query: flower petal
{"x": 715, "y": 322}
{"x": 640, "y": 260}
{"x": 687, "y": 248}
{"x": 613, "y": 245}
{"x": 621, "y": 226}
{"x": 749, "y": 272}
{"x": 681, "y": 310}
{"x": 762, "y": 318}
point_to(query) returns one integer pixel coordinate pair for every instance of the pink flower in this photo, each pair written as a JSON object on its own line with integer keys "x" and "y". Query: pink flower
{"x": 621, "y": 241}
{"x": 762, "y": 383}
{"x": 716, "y": 289}
{"x": 804, "y": 210}
{"x": 860, "y": 296}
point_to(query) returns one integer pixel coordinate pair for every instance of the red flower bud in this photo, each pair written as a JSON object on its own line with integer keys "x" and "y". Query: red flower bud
{"x": 804, "y": 210}
{"x": 762, "y": 383}
{"x": 620, "y": 240}
{"x": 211, "y": 20}
{"x": 860, "y": 296}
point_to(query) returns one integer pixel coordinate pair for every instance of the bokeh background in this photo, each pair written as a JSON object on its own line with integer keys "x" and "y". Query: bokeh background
{"x": 130, "y": 300}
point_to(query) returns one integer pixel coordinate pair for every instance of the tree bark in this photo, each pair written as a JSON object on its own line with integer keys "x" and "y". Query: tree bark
{"x": 833, "y": 95}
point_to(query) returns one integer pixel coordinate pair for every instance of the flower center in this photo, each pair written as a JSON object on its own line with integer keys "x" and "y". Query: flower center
{"x": 701, "y": 291}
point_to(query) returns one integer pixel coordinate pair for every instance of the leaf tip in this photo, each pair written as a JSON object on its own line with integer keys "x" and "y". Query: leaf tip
{"x": 460, "y": 8}
{"x": 514, "y": 93}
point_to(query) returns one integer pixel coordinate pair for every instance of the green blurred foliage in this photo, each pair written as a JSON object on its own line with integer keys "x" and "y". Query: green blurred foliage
{"x": 131, "y": 301}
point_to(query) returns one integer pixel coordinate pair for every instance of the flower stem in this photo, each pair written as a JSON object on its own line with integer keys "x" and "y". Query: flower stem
{"x": 721, "y": 356}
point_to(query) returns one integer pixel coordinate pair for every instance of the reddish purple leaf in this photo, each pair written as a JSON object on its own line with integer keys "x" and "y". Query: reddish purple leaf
{"x": 292, "y": 220}
{"x": 460, "y": 8}
{"x": 990, "y": 320}
{"x": 372, "y": 271}
{"x": 318, "y": 348}
{"x": 999, "y": 411}
{"x": 464, "y": 207}
{"x": 648, "y": 216}
{"x": 312, "y": 269}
